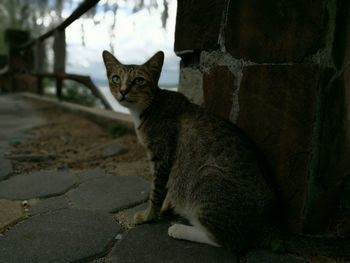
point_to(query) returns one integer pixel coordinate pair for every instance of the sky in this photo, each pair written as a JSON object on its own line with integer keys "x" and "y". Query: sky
{"x": 136, "y": 38}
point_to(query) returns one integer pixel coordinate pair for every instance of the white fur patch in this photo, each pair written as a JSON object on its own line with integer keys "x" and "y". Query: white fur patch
{"x": 190, "y": 233}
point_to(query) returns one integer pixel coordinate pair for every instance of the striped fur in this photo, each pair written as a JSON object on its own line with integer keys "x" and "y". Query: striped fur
{"x": 204, "y": 167}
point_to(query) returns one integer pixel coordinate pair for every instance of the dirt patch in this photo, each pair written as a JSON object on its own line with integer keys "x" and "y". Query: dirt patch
{"x": 66, "y": 140}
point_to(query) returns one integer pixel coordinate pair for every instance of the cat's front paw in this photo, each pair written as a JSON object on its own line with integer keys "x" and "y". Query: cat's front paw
{"x": 175, "y": 231}
{"x": 144, "y": 216}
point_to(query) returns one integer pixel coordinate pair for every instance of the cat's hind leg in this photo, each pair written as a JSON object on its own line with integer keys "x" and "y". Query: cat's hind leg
{"x": 191, "y": 233}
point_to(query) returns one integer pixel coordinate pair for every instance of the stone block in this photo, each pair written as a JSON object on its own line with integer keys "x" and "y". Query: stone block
{"x": 110, "y": 193}
{"x": 198, "y": 24}
{"x": 190, "y": 85}
{"x": 41, "y": 206}
{"x": 86, "y": 175}
{"x": 275, "y": 31}
{"x": 37, "y": 185}
{"x": 332, "y": 149}
{"x": 66, "y": 235}
{"x": 277, "y": 109}
{"x": 150, "y": 243}
{"x": 218, "y": 87}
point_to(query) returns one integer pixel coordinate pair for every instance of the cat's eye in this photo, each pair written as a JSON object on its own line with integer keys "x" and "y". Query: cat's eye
{"x": 140, "y": 81}
{"x": 115, "y": 79}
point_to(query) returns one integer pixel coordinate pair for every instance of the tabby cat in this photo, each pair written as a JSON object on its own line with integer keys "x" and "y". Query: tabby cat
{"x": 204, "y": 168}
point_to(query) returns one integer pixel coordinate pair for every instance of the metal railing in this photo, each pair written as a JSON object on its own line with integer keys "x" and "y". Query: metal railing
{"x": 59, "y": 48}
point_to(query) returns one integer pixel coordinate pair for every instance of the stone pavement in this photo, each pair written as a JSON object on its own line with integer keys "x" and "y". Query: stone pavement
{"x": 83, "y": 216}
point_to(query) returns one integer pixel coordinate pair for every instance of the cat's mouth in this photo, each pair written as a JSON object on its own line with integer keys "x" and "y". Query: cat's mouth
{"x": 124, "y": 99}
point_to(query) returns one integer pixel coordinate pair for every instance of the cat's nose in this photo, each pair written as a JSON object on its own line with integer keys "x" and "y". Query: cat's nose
{"x": 124, "y": 91}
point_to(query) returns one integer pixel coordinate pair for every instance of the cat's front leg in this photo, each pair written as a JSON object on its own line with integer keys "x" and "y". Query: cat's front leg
{"x": 158, "y": 193}
{"x": 152, "y": 213}
{"x": 148, "y": 215}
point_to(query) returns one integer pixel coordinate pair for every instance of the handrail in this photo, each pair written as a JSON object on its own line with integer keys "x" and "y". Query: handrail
{"x": 85, "y": 80}
{"x": 60, "y": 73}
{"x": 77, "y": 13}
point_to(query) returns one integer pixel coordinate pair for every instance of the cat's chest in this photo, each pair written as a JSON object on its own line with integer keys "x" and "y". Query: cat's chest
{"x": 135, "y": 114}
{"x": 141, "y": 138}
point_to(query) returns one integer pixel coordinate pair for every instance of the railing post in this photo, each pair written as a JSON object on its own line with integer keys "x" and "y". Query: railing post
{"x": 39, "y": 60}
{"x": 18, "y": 62}
{"x": 40, "y": 85}
{"x": 59, "y": 48}
{"x": 39, "y": 57}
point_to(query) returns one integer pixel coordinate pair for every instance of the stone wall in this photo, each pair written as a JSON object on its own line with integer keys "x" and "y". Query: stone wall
{"x": 278, "y": 70}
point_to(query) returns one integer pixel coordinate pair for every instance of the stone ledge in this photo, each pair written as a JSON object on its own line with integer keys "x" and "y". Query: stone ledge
{"x": 105, "y": 118}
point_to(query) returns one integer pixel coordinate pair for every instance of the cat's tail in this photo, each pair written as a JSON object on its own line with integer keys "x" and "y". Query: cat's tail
{"x": 317, "y": 245}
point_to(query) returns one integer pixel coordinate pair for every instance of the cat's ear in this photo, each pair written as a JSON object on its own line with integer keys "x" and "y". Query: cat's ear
{"x": 155, "y": 64}
{"x": 109, "y": 60}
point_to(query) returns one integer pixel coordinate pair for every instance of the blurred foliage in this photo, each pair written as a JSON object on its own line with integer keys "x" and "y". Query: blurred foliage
{"x": 38, "y": 14}
{"x": 116, "y": 130}
{"x": 41, "y": 15}
{"x": 76, "y": 93}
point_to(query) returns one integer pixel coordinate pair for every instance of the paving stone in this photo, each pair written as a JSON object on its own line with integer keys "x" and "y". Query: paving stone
{"x": 268, "y": 257}
{"x": 150, "y": 243}
{"x": 37, "y": 184}
{"x": 10, "y": 213}
{"x": 126, "y": 217}
{"x": 5, "y": 168}
{"x": 86, "y": 175}
{"x": 42, "y": 206}
{"x": 107, "y": 150}
{"x": 67, "y": 235}
{"x": 110, "y": 193}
